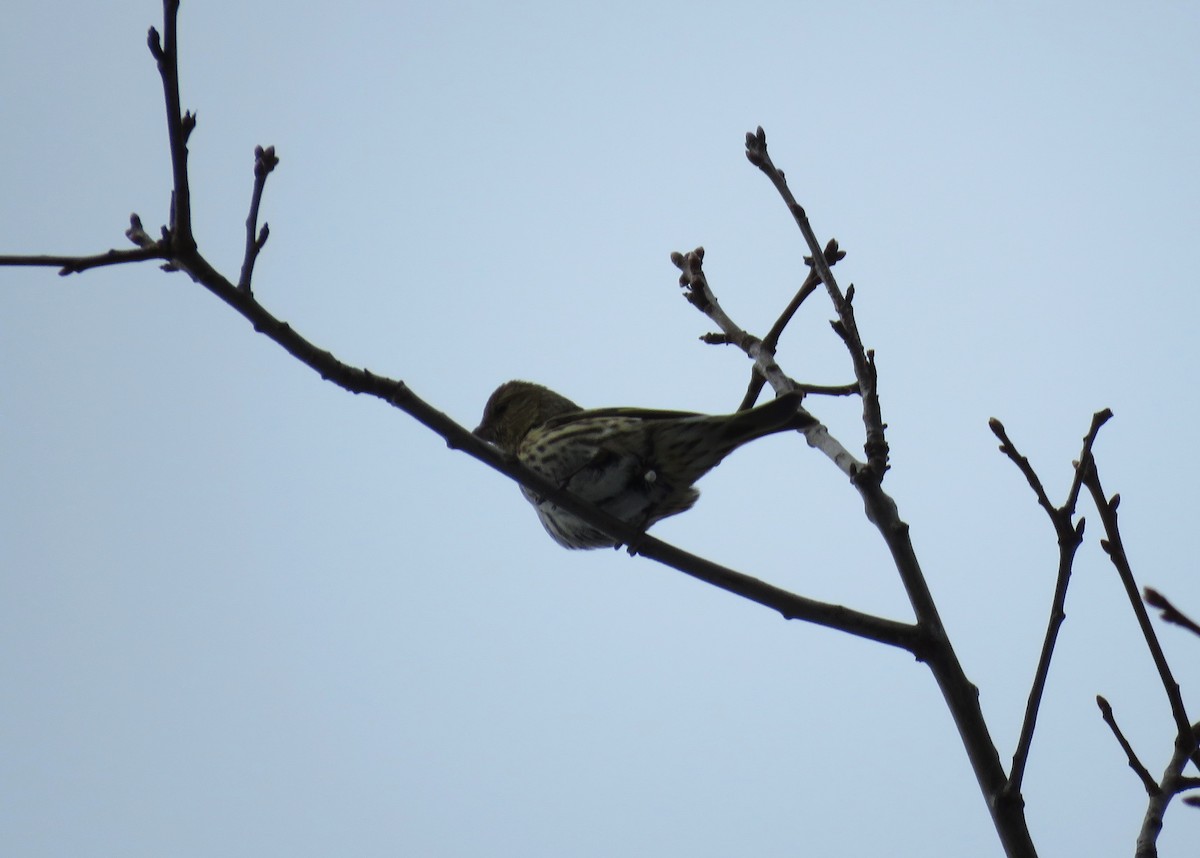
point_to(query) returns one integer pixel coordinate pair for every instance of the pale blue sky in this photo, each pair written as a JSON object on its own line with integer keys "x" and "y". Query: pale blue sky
{"x": 243, "y": 613}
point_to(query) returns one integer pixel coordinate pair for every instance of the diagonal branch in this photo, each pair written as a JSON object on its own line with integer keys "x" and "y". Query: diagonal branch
{"x": 1114, "y": 546}
{"x": 1134, "y": 763}
{"x": 1170, "y": 614}
{"x": 1171, "y": 785}
{"x": 1160, "y": 793}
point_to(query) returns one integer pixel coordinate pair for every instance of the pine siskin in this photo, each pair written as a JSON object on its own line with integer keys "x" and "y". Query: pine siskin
{"x": 636, "y": 464}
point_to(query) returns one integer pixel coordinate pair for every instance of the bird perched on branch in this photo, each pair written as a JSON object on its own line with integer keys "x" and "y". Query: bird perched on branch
{"x": 636, "y": 464}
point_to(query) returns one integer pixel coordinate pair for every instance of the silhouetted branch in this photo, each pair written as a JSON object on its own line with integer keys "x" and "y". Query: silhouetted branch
{"x": 1186, "y": 745}
{"x": 1115, "y": 548}
{"x": 179, "y": 126}
{"x": 264, "y": 162}
{"x": 1140, "y": 770}
{"x": 1171, "y": 785}
{"x": 1170, "y": 613}
{"x": 78, "y": 264}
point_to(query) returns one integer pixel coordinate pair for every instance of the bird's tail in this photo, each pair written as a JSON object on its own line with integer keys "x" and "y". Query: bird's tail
{"x": 779, "y": 415}
{"x": 694, "y": 445}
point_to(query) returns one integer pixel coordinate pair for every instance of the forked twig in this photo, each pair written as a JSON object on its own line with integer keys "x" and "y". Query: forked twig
{"x": 1070, "y": 536}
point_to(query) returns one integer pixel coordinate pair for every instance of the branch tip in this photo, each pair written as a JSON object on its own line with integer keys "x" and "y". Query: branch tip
{"x": 136, "y": 233}
{"x": 265, "y": 160}
{"x": 154, "y": 43}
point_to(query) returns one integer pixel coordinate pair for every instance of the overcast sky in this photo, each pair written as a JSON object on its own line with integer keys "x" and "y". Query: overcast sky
{"x": 243, "y": 613}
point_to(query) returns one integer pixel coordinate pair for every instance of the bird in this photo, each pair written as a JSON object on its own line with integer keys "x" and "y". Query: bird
{"x": 636, "y": 464}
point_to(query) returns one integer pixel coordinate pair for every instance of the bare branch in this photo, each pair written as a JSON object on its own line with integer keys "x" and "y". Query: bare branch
{"x": 850, "y": 389}
{"x": 1170, "y": 613}
{"x": 1143, "y": 774}
{"x": 1009, "y": 449}
{"x": 1115, "y": 548}
{"x": 1170, "y": 785}
{"x": 179, "y": 124}
{"x": 77, "y": 264}
{"x": 264, "y": 162}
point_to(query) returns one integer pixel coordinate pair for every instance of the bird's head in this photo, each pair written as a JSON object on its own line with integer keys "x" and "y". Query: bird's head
{"x": 515, "y": 408}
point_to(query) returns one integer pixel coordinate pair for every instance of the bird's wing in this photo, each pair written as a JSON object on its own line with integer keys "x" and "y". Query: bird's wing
{"x": 628, "y": 413}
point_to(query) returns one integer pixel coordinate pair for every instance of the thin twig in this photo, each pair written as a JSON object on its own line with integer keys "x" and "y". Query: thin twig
{"x": 179, "y": 125}
{"x": 1115, "y": 548}
{"x": 833, "y": 254}
{"x": 264, "y": 162}
{"x": 1170, "y": 785}
{"x": 850, "y": 389}
{"x": 1170, "y": 613}
{"x": 1143, "y": 774}
{"x": 78, "y": 264}
{"x": 1010, "y": 450}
